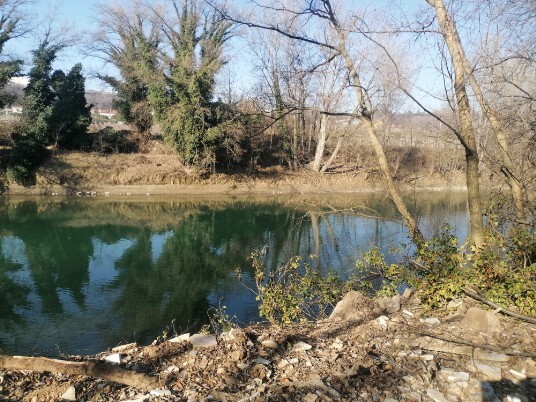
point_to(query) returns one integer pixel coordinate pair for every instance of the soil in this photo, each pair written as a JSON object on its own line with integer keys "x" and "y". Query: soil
{"x": 159, "y": 171}
{"x": 364, "y": 354}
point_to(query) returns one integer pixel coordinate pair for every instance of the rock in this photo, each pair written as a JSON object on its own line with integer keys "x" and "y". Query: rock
{"x": 236, "y": 333}
{"x": 491, "y": 373}
{"x": 270, "y": 344}
{"x": 407, "y": 293}
{"x": 160, "y": 392}
{"x": 435, "y": 395}
{"x": 301, "y": 347}
{"x": 180, "y": 338}
{"x": 337, "y": 345}
{"x": 518, "y": 375}
{"x": 491, "y": 356}
{"x": 353, "y": 306}
{"x": 69, "y": 395}
{"x": 390, "y": 305}
{"x": 408, "y": 313}
{"x": 310, "y": 397}
{"x": 480, "y": 320}
{"x": 113, "y": 359}
{"x": 203, "y": 341}
{"x": 258, "y": 371}
{"x": 456, "y": 376}
{"x": 382, "y": 321}
{"x": 229, "y": 380}
{"x": 431, "y": 321}
{"x": 394, "y": 305}
{"x": 122, "y": 348}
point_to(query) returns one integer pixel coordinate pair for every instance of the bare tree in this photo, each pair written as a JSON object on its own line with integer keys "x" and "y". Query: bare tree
{"x": 333, "y": 35}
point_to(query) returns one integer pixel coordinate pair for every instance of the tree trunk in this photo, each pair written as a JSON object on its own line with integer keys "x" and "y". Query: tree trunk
{"x": 467, "y": 137}
{"x": 507, "y": 165}
{"x": 321, "y": 144}
{"x": 332, "y": 156}
{"x": 366, "y": 118}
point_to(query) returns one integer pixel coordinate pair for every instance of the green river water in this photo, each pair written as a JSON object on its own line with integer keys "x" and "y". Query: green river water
{"x": 79, "y": 275}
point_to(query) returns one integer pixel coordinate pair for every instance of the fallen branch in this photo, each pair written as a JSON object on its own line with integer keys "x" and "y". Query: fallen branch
{"x": 475, "y": 295}
{"x": 452, "y": 345}
{"x": 91, "y": 368}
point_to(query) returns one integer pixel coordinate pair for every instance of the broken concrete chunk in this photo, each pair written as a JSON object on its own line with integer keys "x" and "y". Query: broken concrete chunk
{"x": 113, "y": 359}
{"x": 301, "y": 347}
{"x": 203, "y": 341}
{"x": 69, "y": 395}
{"x": 180, "y": 338}
{"x": 480, "y": 320}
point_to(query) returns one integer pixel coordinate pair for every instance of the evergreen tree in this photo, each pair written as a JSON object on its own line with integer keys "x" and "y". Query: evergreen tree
{"x": 71, "y": 115}
{"x": 54, "y": 113}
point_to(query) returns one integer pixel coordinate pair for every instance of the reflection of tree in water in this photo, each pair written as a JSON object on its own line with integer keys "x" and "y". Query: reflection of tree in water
{"x": 13, "y": 296}
{"x": 199, "y": 256}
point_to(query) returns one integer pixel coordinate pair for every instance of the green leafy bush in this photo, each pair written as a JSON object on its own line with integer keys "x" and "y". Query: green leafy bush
{"x": 295, "y": 292}
{"x": 503, "y": 270}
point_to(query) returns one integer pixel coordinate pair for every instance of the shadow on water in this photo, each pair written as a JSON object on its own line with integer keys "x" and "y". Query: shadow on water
{"x": 82, "y": 275}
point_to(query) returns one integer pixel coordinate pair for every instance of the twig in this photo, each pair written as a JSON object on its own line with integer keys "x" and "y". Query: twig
{"x": 482, "y": 299}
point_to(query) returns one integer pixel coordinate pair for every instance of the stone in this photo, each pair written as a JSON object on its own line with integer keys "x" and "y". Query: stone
{"x": 382, "y": 321}
{"x": 236, "y": 333}
{"x": 435, "y": 395}
{"x": 113, "y": 359}
{"x": 518, "y": 375}
{"x": 310, "y": 397}
{"x": 353, "y": 306}
{"x": 160, "y": 392}
{"x": 301, "y": 347}
{"x": 457, "y": 376}
{"x": 122, "y": 348}
{"x": 203, "y": 341}
{"x": 393, "y": 306}
{"x": 180, "y": 338}
{"x": 69, "y": 394}
{"x": 431, "y": 321}
{"x": 492, "y": 373}
{"x": 408, "y": 313}
{"x": 229, "y": 380}
{"x": 270, "y": 344}
{"x": 407, "y": 293}
{"x": 480, "y": 320}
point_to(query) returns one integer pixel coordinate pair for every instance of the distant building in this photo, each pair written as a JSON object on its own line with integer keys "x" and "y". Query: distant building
{"x": 108, "y": 113}
{"x": 20, "y": 80}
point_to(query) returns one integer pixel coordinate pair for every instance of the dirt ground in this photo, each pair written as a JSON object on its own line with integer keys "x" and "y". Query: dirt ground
{"x": 159, "y": 171}
{"x": 366, "y": 351}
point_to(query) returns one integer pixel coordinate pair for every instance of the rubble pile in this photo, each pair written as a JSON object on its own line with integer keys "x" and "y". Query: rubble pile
{"x": 368, "y": 350}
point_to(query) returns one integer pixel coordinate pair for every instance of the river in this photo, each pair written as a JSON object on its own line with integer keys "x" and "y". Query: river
{"x": 80, "y": 275}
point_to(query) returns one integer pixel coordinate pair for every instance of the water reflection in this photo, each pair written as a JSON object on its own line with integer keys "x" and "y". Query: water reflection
{"x": 78, "y": 276}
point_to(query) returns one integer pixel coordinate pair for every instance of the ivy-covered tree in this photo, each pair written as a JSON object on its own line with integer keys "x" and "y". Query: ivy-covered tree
{"x": 191, "y": 121}
{"x": 128, "y": 39}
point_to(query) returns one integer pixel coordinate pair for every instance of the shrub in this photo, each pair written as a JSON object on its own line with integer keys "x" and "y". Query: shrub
{"x": 295, "y": 292}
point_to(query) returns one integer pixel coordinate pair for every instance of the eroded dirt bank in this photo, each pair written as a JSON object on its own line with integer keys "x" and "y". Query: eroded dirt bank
{"x": 159, "y": 173}
{"x": 366, "y": 351}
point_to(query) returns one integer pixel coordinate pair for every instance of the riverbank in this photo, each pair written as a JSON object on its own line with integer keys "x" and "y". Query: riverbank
{"x": 158, "y": 173}
{"x": 382, "y": 350}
